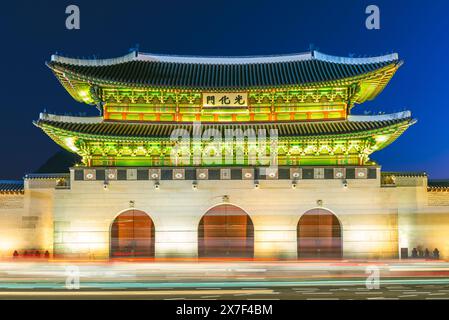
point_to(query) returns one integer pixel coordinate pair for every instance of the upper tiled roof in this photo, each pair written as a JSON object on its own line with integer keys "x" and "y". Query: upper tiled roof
{"x": 220, "y": 72}
{"x": 11, "y": 186}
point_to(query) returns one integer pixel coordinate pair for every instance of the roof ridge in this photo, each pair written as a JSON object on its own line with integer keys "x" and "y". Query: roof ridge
{"x": 71, "y": 119}
{"x": 381, "y": 117}
{"x": 94, "y": 62}
{"x": 100, "y": 120}
{"x": 224, "y": 60}
{"x": 361, "y": 60}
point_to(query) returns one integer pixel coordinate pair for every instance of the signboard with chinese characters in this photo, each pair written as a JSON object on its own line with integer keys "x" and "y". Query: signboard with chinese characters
{"x": 225, "y": 99}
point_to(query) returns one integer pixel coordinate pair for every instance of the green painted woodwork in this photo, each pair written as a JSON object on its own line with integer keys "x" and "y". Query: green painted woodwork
{"x": 332, "y": 149}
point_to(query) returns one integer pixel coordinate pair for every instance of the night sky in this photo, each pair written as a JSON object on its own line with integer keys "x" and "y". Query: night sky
{"x": 418, "y": 30}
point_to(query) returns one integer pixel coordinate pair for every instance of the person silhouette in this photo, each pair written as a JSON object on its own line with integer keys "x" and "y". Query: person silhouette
{"x": 420, "y": 252}
{"x": 414, "y": 253}
{"x": 436, "y": 254}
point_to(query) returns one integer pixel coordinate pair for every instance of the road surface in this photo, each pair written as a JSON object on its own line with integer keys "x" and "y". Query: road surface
{"x": 243, "y": 280}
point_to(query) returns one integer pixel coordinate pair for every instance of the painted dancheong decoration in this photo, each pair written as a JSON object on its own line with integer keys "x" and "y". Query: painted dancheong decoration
{"x": 306, "y": 98}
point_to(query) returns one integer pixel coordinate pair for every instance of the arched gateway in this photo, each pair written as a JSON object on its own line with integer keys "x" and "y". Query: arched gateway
{"x": 226, "y": 231}
{"x": 132, "y": 235}
{"x": 319, "y": 235}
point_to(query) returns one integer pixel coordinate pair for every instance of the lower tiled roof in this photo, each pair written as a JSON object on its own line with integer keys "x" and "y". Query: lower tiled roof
{"x": 164, "y": 130}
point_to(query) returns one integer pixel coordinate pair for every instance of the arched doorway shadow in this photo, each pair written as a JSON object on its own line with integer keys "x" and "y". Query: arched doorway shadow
{"x": 319, "y": 235}
{"x": 132, "y": 235}
{"x": 226, "y": 231}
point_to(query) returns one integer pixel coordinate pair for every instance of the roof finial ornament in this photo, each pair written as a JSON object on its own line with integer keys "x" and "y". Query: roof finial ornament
{"x": 313, "y": 48}
{"x": 135, "y": 48}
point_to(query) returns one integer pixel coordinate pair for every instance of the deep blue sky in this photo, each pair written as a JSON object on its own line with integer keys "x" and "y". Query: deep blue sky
{"x": 418, "y": 30}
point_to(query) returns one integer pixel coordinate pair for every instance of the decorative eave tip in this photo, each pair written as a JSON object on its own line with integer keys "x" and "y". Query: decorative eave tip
{"x": 383, "y": 117}
{"x": 43, "y": 116}
{"x": 94, "y": 62}
{"x": 359, "y": 60}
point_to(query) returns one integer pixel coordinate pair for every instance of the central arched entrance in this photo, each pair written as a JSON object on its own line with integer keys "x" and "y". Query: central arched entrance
{"x": 132, "y": 235}
{"x": 226, "y": 231}
{"x": 319, "y": 235}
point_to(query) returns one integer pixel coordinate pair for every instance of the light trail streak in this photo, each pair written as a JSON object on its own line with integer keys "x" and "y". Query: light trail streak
{"x": 230, "y": 284}
{"x": 134, "y": 293}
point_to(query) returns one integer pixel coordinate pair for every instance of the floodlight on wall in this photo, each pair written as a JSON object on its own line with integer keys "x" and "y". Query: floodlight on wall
{"x": 106, "y": 185}
{"x": 195, "y": 185}
{"x": 294, "y": 184}
{"x": 345, "y": 183}
{"x": 157, "y": 185}
{"x": 256, "y": 184}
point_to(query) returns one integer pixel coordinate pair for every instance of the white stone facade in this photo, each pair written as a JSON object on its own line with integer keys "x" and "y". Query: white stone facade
{"x": 376, "y": 220}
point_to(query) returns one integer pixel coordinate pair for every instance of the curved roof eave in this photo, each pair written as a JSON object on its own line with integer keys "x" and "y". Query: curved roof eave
{"x": 153, "y": 129}
{"x": 114, "y": 83}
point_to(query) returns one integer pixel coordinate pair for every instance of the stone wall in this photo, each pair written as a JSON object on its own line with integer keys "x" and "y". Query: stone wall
{"x": 11, "y": 211}
{"x": 26, "y": 220}
{"x": 376, "y": 221}
{"x": 83, "y": 215}
{"x": 439, "y": 199}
